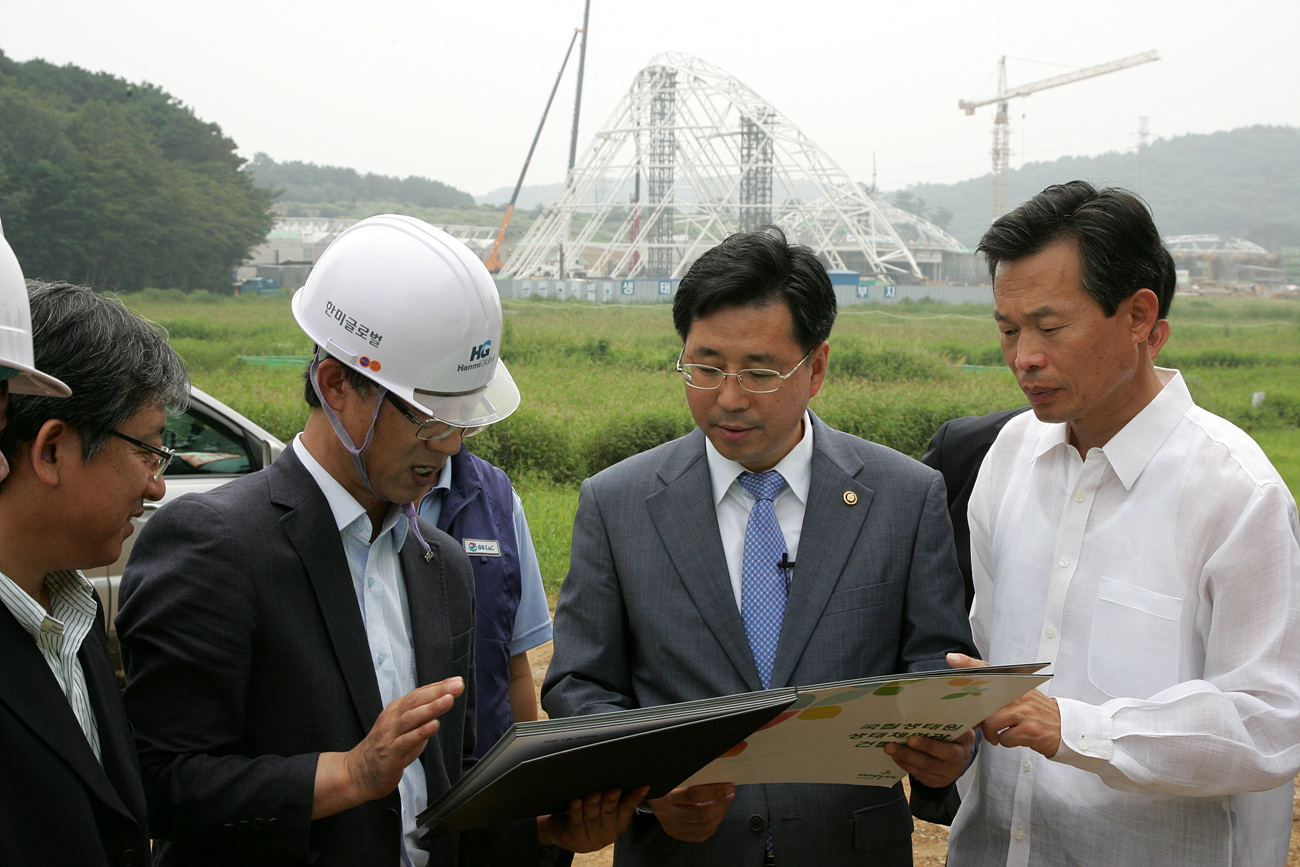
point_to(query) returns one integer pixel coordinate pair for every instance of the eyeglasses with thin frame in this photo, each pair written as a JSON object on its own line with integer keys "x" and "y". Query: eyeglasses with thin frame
{"x": 755, "y": 380}
{"x": 162, "y": 456}
{"x": 432, "y": 429}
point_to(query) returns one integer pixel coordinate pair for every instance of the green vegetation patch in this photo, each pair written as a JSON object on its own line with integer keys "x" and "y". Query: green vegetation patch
{"x": 599, "y": 382}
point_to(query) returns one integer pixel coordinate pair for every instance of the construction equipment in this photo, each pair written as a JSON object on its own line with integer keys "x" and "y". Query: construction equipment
{"x": 494, "y": 262}
{"x": 1002, "y": 126}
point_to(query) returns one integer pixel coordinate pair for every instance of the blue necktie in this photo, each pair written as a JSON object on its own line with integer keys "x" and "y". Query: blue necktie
{"x": 762, "y": 580}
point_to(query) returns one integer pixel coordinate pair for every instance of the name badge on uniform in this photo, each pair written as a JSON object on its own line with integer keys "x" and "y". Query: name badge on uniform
{"x": 482, "y": 547}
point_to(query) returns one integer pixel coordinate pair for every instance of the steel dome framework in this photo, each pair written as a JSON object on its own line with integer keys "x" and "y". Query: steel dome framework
{"x": 689, "y": 156}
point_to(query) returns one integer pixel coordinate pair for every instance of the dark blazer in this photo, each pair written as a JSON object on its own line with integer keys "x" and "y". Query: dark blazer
{"x": 58, "y": 804}
{"x": 956, "y": 450}
{"x": 246, "y": 657}
{"x": 647, "y": 616}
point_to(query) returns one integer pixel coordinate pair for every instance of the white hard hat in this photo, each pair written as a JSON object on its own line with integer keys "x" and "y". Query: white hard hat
{"x": 414, "y": 310}
{"x": 16, "y": 331}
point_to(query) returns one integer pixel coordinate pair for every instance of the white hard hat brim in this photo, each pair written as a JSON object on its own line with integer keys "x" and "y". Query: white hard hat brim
{"x": 31, "y": 381}
{"x": 497, "y": 400}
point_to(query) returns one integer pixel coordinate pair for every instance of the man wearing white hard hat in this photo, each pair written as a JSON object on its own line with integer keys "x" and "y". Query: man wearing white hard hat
{"x": 298, "y": 645}
{"x": 79, "y": 461}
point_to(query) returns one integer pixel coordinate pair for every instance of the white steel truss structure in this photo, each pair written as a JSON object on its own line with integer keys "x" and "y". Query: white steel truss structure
{"x": 689, "y": 156}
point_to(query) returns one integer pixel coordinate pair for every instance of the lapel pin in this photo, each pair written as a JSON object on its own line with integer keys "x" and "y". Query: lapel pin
{"x": 850, "y": 498}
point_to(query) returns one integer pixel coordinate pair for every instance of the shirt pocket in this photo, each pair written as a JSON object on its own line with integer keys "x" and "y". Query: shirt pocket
{"x": 1134, "y": 648}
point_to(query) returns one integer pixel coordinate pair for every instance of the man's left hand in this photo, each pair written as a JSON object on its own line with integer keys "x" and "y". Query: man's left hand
{"x": 592, "y": 823}
{"x": 933, "y": 763}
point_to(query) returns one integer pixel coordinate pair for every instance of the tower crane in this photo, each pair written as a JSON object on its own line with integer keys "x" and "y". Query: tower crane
{"x": 1002, "y": 126}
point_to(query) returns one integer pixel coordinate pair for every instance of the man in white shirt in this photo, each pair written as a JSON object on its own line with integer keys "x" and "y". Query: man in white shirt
{"x": 1146, "y": 549}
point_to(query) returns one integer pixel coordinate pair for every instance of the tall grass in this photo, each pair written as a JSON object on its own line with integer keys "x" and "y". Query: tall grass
{"x": 599, "y": 382}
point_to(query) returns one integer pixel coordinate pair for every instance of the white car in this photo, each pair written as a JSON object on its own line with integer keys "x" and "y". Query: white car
{"x": 214, "y": 444}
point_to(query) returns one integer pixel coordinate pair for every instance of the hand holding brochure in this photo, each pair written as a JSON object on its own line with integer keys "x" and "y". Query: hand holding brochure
{"x": 830, "y": 733}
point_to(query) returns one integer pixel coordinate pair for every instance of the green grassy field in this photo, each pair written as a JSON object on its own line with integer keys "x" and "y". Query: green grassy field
{"x": 598, "y": 381}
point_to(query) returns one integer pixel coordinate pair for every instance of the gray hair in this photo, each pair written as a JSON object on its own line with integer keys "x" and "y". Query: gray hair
{"x": 116, "y": 363}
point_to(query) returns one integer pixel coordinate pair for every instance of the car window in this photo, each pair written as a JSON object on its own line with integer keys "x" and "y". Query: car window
{"x": 205, "y": 446}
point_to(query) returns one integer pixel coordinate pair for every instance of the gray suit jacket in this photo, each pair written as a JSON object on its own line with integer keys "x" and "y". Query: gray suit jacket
{"x": 246, "y": 657}
{"x": 647, "y": 616}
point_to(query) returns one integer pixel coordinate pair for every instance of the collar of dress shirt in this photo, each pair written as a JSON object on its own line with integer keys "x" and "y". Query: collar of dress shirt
{"x": 1130, "y": 450}
{"x": 65, "y": 587}
{"x": 344, "y": 506}
{"x": 795, "y": 467}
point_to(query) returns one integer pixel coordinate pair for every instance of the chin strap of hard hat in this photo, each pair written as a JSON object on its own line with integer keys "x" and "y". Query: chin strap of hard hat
{"x": 359, "y": 459}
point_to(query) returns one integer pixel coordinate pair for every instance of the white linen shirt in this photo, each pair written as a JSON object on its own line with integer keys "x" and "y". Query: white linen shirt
{"x": 380, "y": 586}
{"x": 1161, "y": 579}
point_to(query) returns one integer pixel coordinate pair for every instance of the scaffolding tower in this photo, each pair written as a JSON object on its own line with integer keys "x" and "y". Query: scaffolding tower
{"x": 689, "y": 156}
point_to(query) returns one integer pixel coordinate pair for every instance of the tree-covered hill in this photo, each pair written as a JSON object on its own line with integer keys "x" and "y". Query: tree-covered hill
{"x": 308, "y": 183}
{"x": 118, "y": 185}
{"x": 1245, "y": 182}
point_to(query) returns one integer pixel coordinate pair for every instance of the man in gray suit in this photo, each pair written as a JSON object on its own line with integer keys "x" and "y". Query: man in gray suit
{"x": 669, "y": 599}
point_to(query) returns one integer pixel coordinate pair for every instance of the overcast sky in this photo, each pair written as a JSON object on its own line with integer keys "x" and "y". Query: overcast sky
{"x": 453, "y": 89}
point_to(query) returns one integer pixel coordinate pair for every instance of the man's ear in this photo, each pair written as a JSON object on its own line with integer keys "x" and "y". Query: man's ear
{"x": 330, "y": 377}
{"x": 52, "y": 450}
{"x": 1159, "y": 334}
{"x": 1144, "y": 312}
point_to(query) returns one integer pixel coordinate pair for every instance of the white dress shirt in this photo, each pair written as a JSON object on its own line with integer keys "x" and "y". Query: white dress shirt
{"x": 733, "y": 502}
{"x": 1161, "y": 578}
{"x": 381, "y": 596}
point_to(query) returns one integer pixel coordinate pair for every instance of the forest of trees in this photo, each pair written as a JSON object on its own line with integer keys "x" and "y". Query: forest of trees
{"x": 118, "y": 185}
{"x": 308, "y": 183}
{"x": 1243, "y": 183}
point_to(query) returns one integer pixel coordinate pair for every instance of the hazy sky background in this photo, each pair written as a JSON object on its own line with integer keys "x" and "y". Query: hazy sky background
{"x": 453, "y": 89}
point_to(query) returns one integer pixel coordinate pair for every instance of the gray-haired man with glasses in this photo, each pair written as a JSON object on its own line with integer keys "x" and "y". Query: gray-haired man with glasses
{"x": 765, "y": 549}
{"x": 80, "y": 467}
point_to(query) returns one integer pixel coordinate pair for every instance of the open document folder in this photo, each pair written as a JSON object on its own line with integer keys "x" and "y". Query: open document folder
{"x": 829, "y": 733}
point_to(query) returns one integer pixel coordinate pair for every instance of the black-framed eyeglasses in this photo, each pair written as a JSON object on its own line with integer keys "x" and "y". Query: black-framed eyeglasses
{"x": 756, "y": 380}
{"x": 162, "y": 456}
{"x": 431, "y": 429}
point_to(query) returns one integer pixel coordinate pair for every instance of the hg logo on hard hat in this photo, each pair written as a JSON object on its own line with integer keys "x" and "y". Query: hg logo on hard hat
{"x": 481, "y": 352}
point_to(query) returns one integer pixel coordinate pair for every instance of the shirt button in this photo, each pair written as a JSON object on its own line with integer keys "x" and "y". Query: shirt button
{"x": 1025, "y": 766}
{"x": 1080, "y": 497}
{"x": 380, "y": 660}
{"x": 1083, "y": 742}
{"x": 1020, "y": 834}
{"x": 1049, "y": 632}
{"x": 370, "y": 582}
{"x": 1063, "y": 562}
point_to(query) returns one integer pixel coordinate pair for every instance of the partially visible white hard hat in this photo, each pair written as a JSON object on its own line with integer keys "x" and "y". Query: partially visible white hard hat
{"x": 16, "y": 331}
{"x": 414, "y": 310}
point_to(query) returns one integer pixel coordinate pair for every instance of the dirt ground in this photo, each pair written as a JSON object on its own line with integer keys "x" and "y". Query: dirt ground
{"x": 929, "y": 842}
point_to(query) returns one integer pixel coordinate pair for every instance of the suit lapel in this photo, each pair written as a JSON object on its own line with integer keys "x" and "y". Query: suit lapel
{"x": 311, "y": 528}
{"x": 30, "y": 690}
{"x": 116, "y": 746}
{"x": 831, "y": 527}
{"x": 687, "y": 524}
{"x": 426, "y": 595}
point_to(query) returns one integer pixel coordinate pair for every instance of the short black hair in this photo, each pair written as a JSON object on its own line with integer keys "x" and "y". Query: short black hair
{"x": 755, "y": 269}
{"x": 115, "y": 362}
{"x": 1117, "y": 239}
